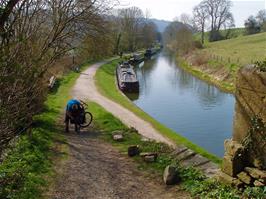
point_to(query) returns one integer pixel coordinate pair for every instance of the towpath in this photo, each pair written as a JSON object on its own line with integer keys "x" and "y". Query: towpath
{"x": 95, "y": 169}
{"x": 85, "y": 89}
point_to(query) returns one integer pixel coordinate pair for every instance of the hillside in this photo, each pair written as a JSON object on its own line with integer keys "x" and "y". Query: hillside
{"x": 219, "y": 61}
{"x": 161, "y": 24}
{"x": 241, "y": 50}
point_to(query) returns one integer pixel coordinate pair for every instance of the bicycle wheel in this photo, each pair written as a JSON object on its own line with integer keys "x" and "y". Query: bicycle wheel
{"x": 88, "y": 120}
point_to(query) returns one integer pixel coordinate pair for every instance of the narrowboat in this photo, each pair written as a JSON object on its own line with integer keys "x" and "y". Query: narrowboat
{"x": 126, "y": 78}
{"x": 150, "y": 52}
{"x": 136, "y": 58}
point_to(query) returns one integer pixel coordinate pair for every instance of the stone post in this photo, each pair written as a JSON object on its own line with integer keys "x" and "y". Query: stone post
{"x": 250, "y": 103}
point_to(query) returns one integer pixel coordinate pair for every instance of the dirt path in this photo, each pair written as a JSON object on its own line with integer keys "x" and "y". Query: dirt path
{"x": 96, "y": 170}
{"x": 85, "y": 89}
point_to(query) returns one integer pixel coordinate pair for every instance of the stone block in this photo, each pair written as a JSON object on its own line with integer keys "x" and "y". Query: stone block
{"x": 145, "y": 139}
{"x": 226, "y": 179}
{"x": 258, "y": 183}
{"x": 185, "y": 155}
{"x": 241, "y": 123}
{"x": 171, "y": 175}
{"x": 250, "y": 100}
{"x": 118, "y": 137}
{"x": 244, "y": 177}
{"x": 195, "y": 160}
{"x": 238, "y": 183}
{"x": 210, "y": 169}
{"x": 257, "y": 162}
{"x": 233, "y": 148}
{"x": 133, "y": 150}
{"x": 232, "y": 166}
{"x": 178, "y": 150}
{"x": 256, "y": 173}
{"x": 149, "y": 156}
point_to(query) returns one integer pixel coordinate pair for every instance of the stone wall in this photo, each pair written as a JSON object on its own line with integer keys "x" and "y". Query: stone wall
{"x": 245, "y": 153}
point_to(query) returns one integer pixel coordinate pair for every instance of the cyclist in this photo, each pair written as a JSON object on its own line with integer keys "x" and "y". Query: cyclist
{"x": 74, "y": 114}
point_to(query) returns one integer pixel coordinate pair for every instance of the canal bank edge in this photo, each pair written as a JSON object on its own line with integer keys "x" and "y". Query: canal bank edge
{"x": 106, "y": 84}
{"x": 211, "y": 79}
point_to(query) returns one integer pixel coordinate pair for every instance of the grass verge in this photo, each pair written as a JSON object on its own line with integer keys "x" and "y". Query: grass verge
{"x": 224, "y": 58}
{"x": 222, "y": 85}
{"x": 105, "y": 81}
{"x": 191, "y": 180}
{"x": 27, "y": 168}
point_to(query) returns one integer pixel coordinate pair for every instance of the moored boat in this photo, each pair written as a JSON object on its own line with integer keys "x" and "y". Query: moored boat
{"x": 126, "y": 78}
{"x": 150, "y": 52}
{"x": 136, "y": 58}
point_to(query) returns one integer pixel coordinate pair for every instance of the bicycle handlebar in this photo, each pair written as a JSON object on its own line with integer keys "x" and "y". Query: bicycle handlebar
{"x": 84, "y": 103}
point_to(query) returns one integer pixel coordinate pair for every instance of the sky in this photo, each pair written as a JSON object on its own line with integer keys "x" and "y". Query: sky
{"x": 169, "y": 9}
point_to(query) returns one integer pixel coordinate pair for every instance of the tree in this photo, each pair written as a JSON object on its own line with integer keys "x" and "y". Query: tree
{"x": 149, "y": 34}
{"x": 131, "y": 20}
{"x": 261, "y": 18}
{"x": 220, "y": 15}
{"x": 185, "y": 19}
{"x": 251, "y": 25}
{"x": 133, "y": 30}
{"x": 178, "y": 38}
{"x": 200, "y": 17}
{"x": 33, "y": 35}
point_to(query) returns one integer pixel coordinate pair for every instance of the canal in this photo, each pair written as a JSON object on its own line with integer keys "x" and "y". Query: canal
{"x": 191, "y": 107}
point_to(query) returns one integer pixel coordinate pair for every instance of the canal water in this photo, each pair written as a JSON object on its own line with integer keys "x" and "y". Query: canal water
{"x": 189, "y": 106}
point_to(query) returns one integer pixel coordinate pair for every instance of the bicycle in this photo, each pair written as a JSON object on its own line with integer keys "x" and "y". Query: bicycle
{"x": 84, "y": 119}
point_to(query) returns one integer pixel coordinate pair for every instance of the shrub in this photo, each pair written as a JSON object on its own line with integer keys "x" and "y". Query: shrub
{"x": 261, "y": 65}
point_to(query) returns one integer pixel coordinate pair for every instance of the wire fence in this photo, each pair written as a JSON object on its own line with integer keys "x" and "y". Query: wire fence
{"x": 233, "y": 59}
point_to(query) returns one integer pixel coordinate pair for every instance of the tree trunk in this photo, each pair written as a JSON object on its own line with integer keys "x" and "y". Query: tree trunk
{"x": 202, "y": 35}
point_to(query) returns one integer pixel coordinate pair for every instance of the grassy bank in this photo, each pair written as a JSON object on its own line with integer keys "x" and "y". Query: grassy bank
{"x": 219, "y": 62}
{"x": 27, "y": 169}
{"x": 105, "y": 81}
{"x": 211, "y": 79}
{"x": 191, "y": 180}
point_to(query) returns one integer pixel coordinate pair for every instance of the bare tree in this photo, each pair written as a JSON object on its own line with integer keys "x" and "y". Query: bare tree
{"x": 185, "y": 19}
{"x": 131, "y": 20}
{"x": 149, "y": 34}
{"x": 220, "y": 15}
{"x": 261, "y": 18}
{"x": 251, "y": 25}
{"x": 33, "y": 34}
{"x": 200, "y": 17}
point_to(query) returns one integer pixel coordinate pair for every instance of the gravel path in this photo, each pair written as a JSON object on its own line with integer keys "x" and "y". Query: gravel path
{"x": 85, "y": 89}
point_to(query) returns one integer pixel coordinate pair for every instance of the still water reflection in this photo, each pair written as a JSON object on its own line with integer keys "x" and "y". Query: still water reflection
{"x": 198, "y": 111}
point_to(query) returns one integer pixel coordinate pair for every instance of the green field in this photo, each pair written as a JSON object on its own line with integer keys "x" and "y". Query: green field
{"x": 242, "y": 50}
